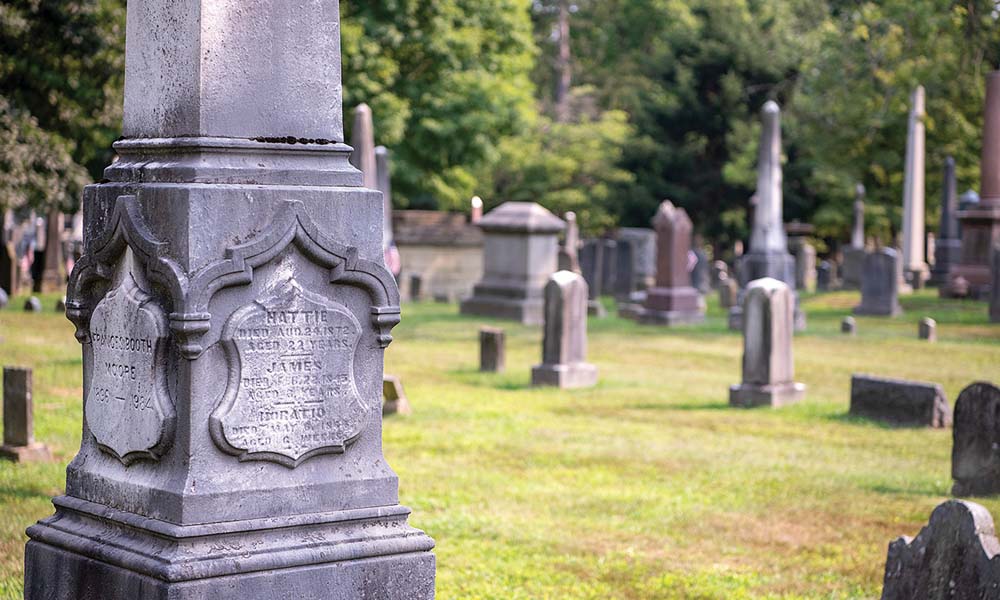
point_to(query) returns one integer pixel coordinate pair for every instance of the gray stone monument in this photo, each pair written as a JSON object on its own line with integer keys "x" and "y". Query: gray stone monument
{"x": 768, "y": 255}
{"x": 520, "y": 252}
{"x": 591, "y": 265}
{"x": 729, "y": 292}
{"x": 8, "y": 264}
{"x": 569, "y": 250}
{"x": 643, "y": 241}
{"x": 805, "y": 266}
{"x": 849, "y": 326}
{"x": 955, "y": 557}
{"x": 768, "y": 367}
{"x": 492, "y": 350}
{"x": 673, "y": 300}
{"x": 854, "y": 255}
{"x": 625, "y": 279}
{"x": 700, "y": 274}
{"x": 564, "y": 347}
{"x": 880, "y": 285}
{"x": 927, "y": 330}
{"x": 33, "y": 304}
{"x": 384, "y": 184}
{"x": 54, "y": 270}
{"x": 915, "y": 270}
{"x": 975, "y": 451}
{"x": 899, "y": 402}
{"x": 609, "y": 266}
{"x": 232, "y": 426}
{"x": 19, "y": 443}
{"x": 394, "y": 400}
{"x": 948, "y": 244}
{"x": 824, "y": 276}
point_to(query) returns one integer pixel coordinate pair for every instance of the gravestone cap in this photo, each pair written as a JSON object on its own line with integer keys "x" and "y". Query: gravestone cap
{"x": 521, "y": 217}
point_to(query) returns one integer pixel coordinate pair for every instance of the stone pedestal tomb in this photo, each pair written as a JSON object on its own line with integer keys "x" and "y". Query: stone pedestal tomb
{"x": 980, "y": 222}
{"x": 19, "y": 442}
{"x": 520, "y": 252}
{"x": 564, "y": 347}
{"x": 233, "y": 311}
{"x": 915, "y": 270}
{"x": 975, "y": 451}
{"x": 880, "y": 285}
{"x": 673, "y": 300}
{"x": 768, "y": 367}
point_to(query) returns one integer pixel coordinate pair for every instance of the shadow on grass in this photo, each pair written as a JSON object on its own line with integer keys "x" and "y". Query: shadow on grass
{"x": 498, "y": 381}
{"x": 908, "y": 491}
{"x": 685, "y": 406}
{"x": 849, "y": 419}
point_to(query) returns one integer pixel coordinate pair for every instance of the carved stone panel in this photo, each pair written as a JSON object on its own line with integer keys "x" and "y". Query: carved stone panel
{"x": 128, "y": 406}
{"x": 292, "y": 392}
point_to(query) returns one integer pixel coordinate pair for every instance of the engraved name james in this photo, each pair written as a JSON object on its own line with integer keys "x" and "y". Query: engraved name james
{"x": 128, "y": 407}
{"x": 291, "y": 392}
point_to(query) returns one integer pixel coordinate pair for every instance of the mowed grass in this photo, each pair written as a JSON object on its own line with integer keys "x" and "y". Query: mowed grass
{"x": 647, "y": 486}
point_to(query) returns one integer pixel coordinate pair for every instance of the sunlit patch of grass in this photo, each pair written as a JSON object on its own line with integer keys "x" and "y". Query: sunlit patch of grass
{"x": 647, "y": 486}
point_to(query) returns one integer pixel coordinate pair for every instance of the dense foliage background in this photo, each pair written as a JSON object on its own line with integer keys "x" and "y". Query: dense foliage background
{"x": 605, "y": 107}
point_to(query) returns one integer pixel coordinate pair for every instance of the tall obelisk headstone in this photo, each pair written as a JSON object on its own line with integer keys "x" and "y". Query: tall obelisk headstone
{"x": 233, "y": 310}
{"x": 768, "y": 256}
{"x": 915, "y": 270}
{"x": 948, "y": 245}
{"x": 981, "y": 222}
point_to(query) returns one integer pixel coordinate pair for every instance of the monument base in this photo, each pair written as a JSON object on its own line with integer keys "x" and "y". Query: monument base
{"x": 577, "y": 375}
{"x": 32, "y": 453}
{"x": 91, "y": 552}
{"x": 946, "y": 254}
{"x": 749, "y": 395}
{"x": 852, "y": 269}
{"x": 672, "y": 306}
{"x": 915, "y": 278}
{"x": 527, "y": 311}
{"x": 670, "y": 317}
{"x": 988, "y": 485}
{"x": 968, "y": 281}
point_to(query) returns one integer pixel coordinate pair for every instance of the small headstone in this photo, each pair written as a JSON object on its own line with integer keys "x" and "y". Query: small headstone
{"x": 805, "y": 265}
{"x": 768, "y": 368}
{"x": 824, "y": 276}
{"x": 928, "y": 329}
{"x": 899, "y": 402}
{"x": 700, "y": 277}
{"x": 955, "y": 557}
{"x": 719, "y": 272}
{"x": 849, "y": 326}
{"x": 33, "y": 304}
{"x": 643, "y": 242}
{"x": 564, "y": 347}
{"x": 975, "y": 450}
{"x": 492, "y": 350}
{"x": 442, "y": 298}
{"x": 393, "y": 397}
{"x": 61, "y": 305}
{"x": 729, "y": 291}
{"x": 416, "y": 283}
{"x": 4, "y": 299}
{"x": 19, "y": 442}
{"x": 880, "y": 285}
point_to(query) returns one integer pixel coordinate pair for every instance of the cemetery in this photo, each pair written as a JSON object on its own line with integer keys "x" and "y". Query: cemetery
{"x": 335, "y": 301}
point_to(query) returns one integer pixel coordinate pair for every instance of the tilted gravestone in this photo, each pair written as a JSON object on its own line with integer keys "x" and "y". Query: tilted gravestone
{"x": 19, "y": 442}
{"x": 673, "y": 300}
{"x": 394, "y": 400}
{"x": 564, "y": 346}
{"x": 768, "y": 366}
{"x": 849, "y": 326}
{"x": 975, "y": 451}
{"x": 955, "y": 557}
{"x": 520, "y": 252}
{"x": 899, "y": 402}
{"x": 880, "y": 285}
{"x": 232, "y": 422}
{"x": 33, "y": 304}
{"x": 492, "y": 350}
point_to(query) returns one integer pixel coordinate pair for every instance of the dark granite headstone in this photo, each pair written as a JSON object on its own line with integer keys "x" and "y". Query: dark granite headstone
{"x": 880, "y": 284}
{"x": 33, "y": 304}
{"x": 700, "y": 275}
{"x": 849, "y": 326}
{"x": 948, "y": 244}
{"x": 492, "y": 350}
{"x": 609, "y": 266}
{"x": 824, "y": 276}
{"x": 416, "y": 283}
{"x": 975, "y": 451}
{"x": 927, "y": 330}
{"x": 673, "y": 300}
{"x": 955, "y": 557}
{"x": 564, "y": 347}
{"x": 19, "y": 442}
{"x": 899, "y": 402}
{"x": 625, "y": 279}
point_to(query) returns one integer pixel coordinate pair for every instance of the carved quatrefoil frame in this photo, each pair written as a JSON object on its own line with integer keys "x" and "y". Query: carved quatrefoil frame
{"x": 191, "y": 294}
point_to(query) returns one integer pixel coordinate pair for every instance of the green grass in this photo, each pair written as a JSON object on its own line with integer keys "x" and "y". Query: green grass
{"x": 647, "y": 486}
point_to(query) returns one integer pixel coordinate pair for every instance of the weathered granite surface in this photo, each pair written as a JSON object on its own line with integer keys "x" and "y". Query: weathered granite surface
{"x": 394, "y": 400}
{"x": 768, "y": 365}
{"x": 880, "y": 284}
{"x": 233, "y": 310}
{"x": 975, "y": 451}
{"x": 492, "y": 350}
{"x": 19, "y": 442}
{"x": 955, "y": 557}
{"x": 564, "y": 346}
{"x": 673, "y": 300}
{"x": 899, "y": 402}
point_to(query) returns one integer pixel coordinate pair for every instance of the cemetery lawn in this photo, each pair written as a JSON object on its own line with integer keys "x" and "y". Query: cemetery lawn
{"x": 647, "y": 486}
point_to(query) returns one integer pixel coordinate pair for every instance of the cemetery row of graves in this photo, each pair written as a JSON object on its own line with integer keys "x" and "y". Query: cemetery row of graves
{"x": 239, "y": 403}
